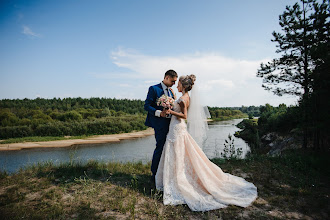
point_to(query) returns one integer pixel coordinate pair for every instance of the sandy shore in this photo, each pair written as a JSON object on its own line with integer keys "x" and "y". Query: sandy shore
{"x": 67, "y": 143}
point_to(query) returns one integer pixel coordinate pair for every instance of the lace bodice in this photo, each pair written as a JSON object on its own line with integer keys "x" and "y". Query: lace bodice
{"x": 178, "y": 126}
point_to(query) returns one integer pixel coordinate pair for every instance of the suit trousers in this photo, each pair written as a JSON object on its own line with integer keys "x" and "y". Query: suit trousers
{"x": 160, "y": 135}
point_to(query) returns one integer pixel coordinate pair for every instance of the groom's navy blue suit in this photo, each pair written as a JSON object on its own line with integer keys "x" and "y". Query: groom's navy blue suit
{"x": 160, "y": 124}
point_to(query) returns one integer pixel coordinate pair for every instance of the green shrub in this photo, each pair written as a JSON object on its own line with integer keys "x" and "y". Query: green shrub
{"x": 15, "y": 131}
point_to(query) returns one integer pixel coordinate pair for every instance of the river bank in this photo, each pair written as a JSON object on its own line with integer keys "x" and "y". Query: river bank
{"x": 111, "y": 138}
{"x": 67, "y": 141}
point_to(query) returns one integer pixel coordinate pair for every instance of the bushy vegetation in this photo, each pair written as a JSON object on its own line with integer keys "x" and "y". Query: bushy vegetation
{"x": 221, "y": 114}
{"x": 281, "y": 119}
{"x": 228, "y": 113}
{"x": 69, "y": 117}
{"x": 249, "y": 132}
{"x": 67, "y": 104}
{"x": 251, "y": 111}
{"x": 109, "y": 125}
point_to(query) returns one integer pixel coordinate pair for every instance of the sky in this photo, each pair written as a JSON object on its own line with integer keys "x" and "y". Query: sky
{"x": 118, "y": 48}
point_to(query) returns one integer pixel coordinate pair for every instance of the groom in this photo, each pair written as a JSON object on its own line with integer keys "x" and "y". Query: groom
{"x": 157, "y": 117}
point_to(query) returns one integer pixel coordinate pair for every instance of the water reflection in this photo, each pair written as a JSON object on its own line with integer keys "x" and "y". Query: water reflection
{"x": 139, "y": 149}
{"x": 218, "y": 133}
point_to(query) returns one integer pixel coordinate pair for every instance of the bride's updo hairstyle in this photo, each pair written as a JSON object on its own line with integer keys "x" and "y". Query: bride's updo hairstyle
{"x": 187, "y": 82}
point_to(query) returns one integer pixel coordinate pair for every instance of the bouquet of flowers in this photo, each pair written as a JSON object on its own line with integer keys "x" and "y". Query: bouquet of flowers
{"x": 166, "y": 102}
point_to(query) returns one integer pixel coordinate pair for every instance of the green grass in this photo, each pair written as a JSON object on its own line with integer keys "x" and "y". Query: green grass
{"x": 38, "y": 138}
{"x": 294, "y": 185}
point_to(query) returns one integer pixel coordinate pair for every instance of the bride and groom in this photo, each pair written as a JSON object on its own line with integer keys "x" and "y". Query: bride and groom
{"x": 179, "y": 167}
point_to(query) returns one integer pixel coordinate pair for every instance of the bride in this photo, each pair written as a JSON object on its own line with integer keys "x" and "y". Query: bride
{"x": 185, "y": 174}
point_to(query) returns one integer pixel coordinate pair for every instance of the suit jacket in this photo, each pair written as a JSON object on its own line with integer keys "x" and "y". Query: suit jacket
{"x": 150, "y": 105}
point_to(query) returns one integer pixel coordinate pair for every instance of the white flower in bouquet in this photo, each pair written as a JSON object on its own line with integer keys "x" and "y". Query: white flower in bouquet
{"x": 166, "y": 102}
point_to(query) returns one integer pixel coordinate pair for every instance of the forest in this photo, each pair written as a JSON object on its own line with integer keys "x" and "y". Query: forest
{"x": 79, "y": 116}
{"x": 69, "y": 117}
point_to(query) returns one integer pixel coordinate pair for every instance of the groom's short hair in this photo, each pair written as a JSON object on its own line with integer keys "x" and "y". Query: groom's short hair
{"x": 171, "y": 73}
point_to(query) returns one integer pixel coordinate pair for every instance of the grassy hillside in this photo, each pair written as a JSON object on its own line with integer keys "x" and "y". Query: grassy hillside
{"x": 294, "y": 185}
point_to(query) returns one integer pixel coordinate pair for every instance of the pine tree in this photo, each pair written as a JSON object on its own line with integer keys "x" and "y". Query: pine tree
{"x": 302, "y": 69}
{"x": 293, "y": 69}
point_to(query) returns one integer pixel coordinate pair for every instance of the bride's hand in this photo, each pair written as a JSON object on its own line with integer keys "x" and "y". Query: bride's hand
{"x": 163, "y": 113}
{"x": 169, "y": 111}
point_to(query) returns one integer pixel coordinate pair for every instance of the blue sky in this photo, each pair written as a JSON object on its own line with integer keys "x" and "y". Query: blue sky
{"x": 118, "y": 48}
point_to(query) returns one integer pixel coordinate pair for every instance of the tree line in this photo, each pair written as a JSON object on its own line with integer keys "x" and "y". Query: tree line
{"x": 81, "y": 116}
{"x": 251, "y": 111}
{"x": 69, "y": 117}
{"x": 220, "y": 114}
{"x": 302, "y": 68}
{"x": 66, "y": 104}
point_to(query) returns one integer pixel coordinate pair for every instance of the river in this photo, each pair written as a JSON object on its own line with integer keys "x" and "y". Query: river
{"x": 140, "y": 149}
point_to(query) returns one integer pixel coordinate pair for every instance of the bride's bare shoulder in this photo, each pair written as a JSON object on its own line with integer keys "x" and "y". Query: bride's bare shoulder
{"x": 185, "y": 100}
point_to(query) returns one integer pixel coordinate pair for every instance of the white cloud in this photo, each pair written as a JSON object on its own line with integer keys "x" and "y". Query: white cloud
{"x": 223, "y": 81}
{"x": 28, "y": 31}
{"x": 124, "y": 85}
{"x": 149, "y": 82}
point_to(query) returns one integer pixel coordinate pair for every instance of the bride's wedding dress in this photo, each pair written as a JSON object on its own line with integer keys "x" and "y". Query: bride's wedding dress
{"x": 187, "y": 176}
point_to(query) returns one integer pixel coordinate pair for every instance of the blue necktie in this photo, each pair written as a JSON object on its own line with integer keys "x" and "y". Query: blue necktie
{"x": 168, "y": 92}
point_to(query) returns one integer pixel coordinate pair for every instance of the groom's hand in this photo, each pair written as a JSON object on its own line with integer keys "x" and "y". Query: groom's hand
{"x": 163, "y": 113}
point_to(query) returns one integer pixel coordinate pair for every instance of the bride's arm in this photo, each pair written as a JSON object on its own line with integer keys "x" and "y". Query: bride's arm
{"x": 183, "y": 109}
